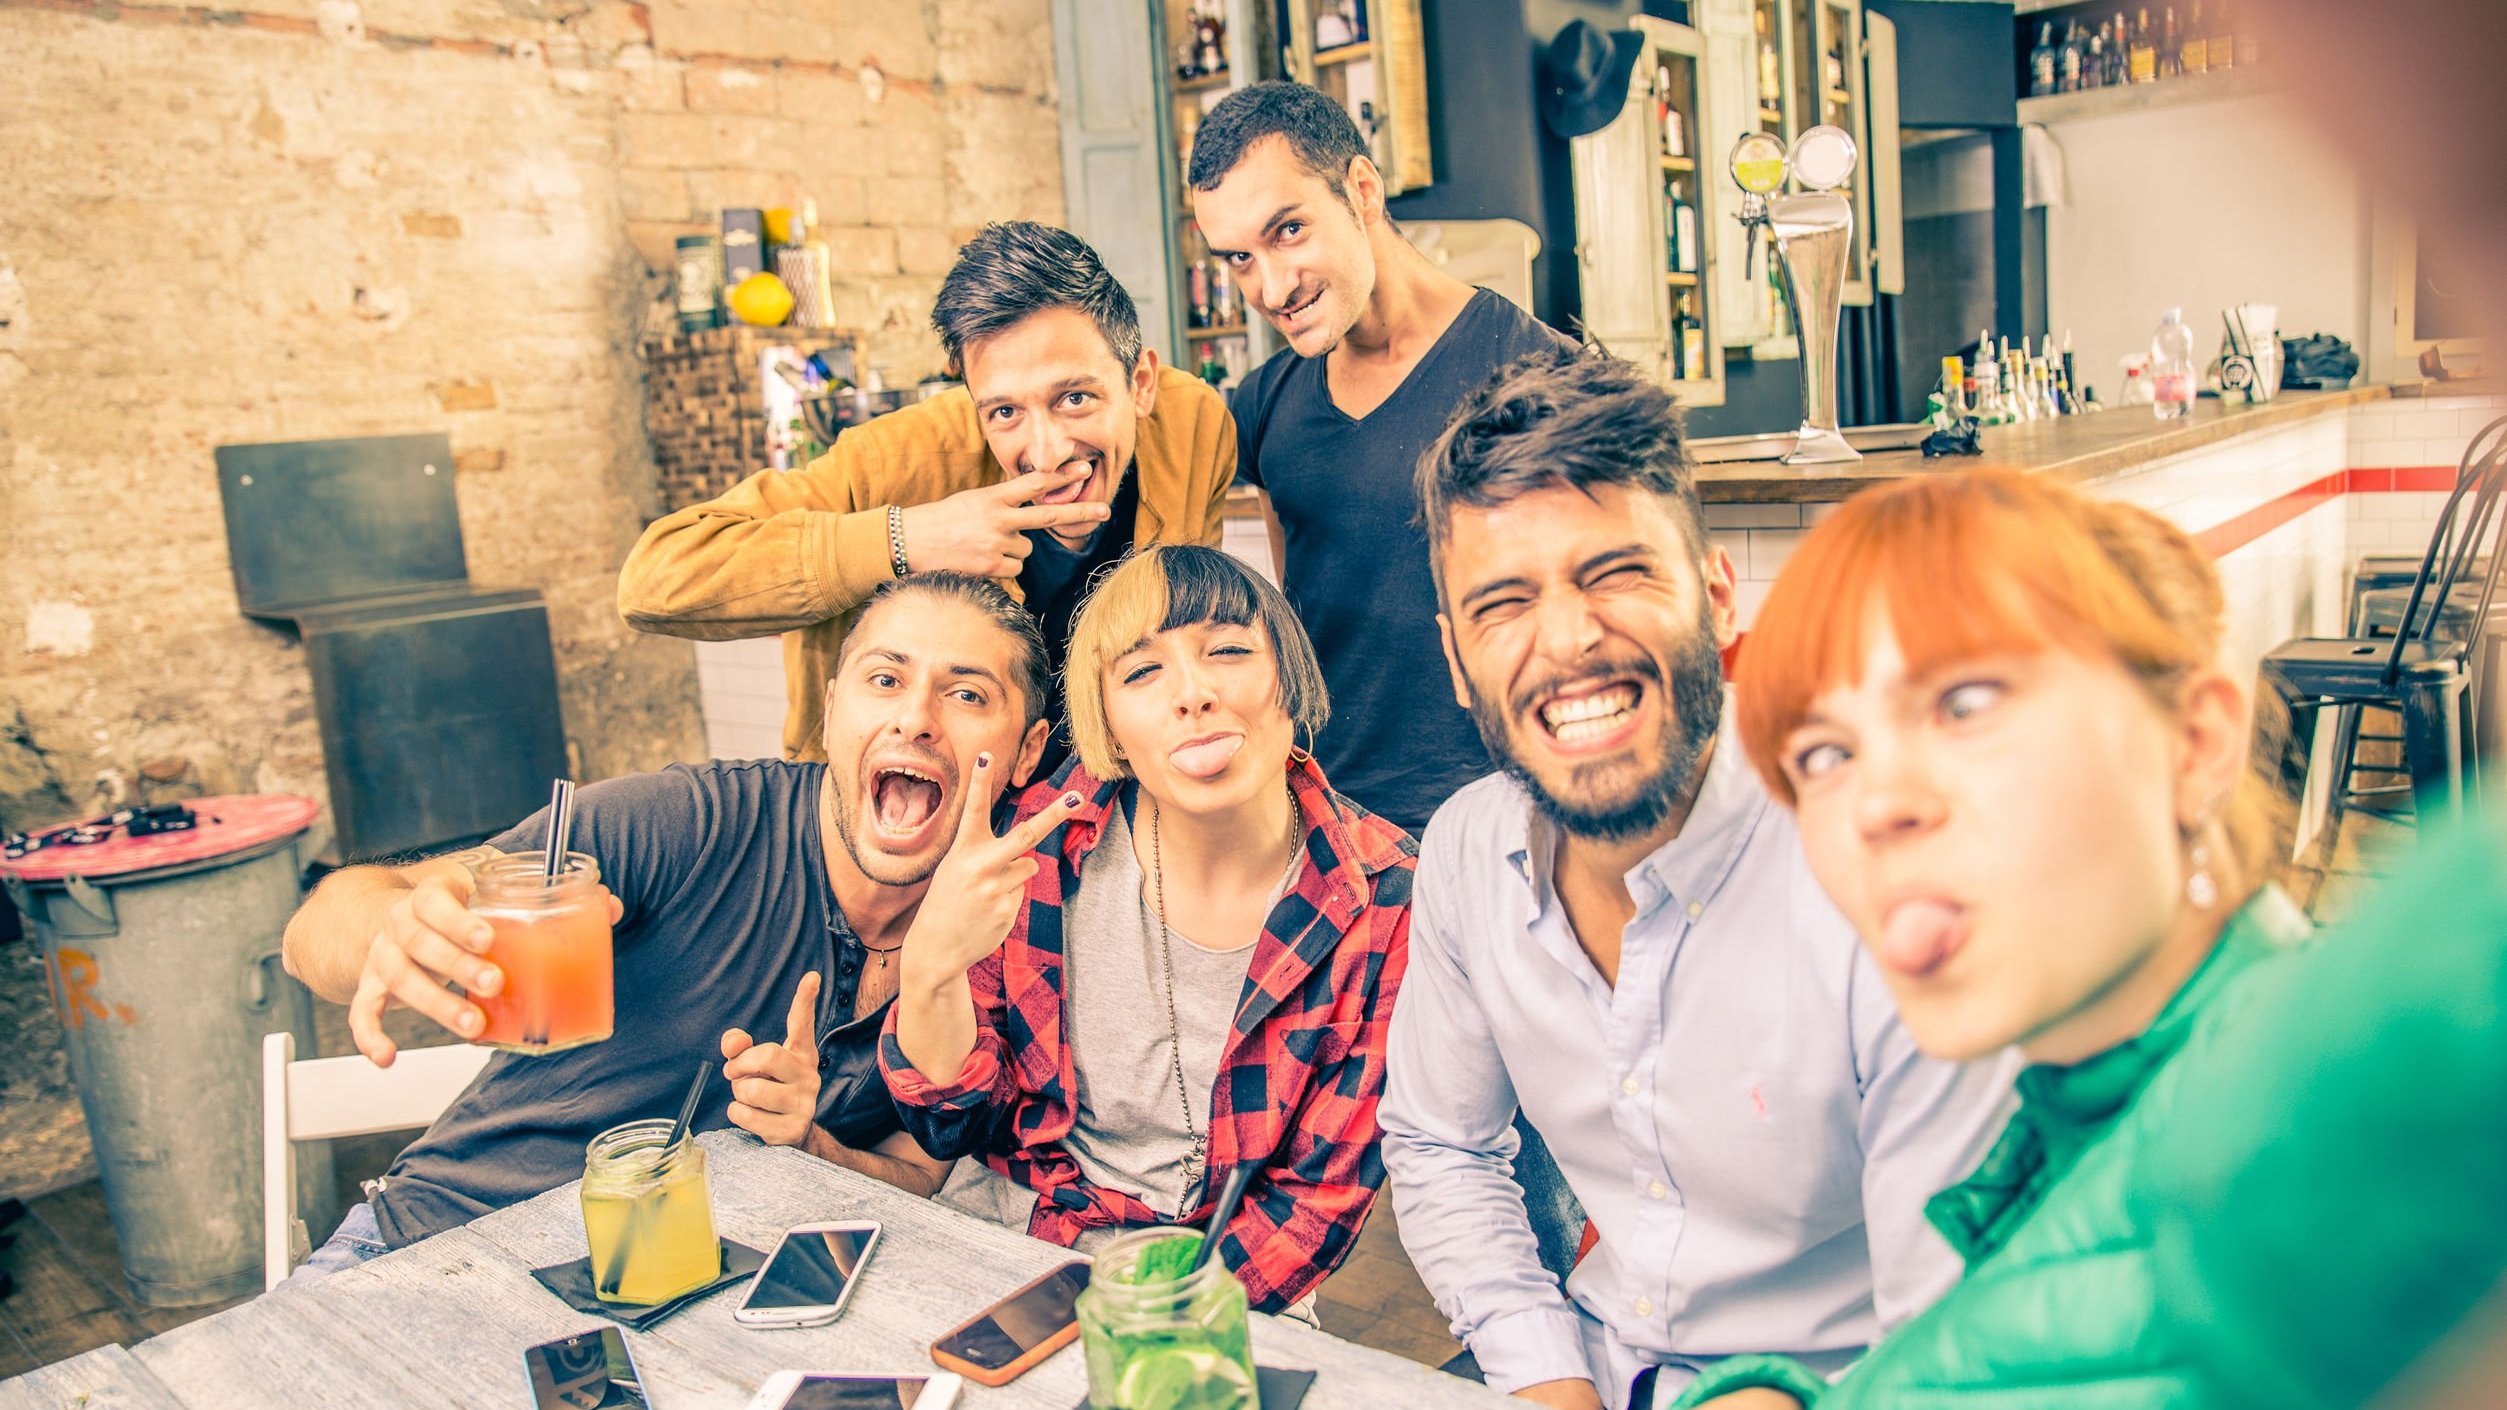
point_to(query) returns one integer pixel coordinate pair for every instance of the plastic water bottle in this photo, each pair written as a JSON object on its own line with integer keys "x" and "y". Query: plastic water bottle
{"x": 2172, "y": 367}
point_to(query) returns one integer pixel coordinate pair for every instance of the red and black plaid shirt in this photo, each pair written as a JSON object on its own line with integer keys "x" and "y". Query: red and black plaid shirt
{"x": 1298, "y": 1082}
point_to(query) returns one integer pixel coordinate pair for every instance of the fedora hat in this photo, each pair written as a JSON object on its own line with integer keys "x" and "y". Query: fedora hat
{"x": 1584, "y": 77}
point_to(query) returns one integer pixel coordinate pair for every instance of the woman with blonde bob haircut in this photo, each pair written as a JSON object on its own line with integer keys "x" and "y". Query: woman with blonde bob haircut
{"x": 1997, "y": 708}
{"x": 1196, "y": 972}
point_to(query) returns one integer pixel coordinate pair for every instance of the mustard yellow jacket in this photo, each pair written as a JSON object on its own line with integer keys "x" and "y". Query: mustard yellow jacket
{"x": 797, "y": 551}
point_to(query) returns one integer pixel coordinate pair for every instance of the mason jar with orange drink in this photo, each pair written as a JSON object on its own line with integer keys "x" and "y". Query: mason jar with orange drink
{"x": 551, "y": 939}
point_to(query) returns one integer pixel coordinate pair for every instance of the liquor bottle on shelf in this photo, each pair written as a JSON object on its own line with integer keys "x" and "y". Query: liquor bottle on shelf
{"x": 2195, "y": 57}
{"x": 1210, "y": 370}
{"x": 2093, "y": 59}
{"x": 1832, "y": 63}
{"x": 1226, "y": 309}
{"x": 1197, "y": 286}
{"x": 2142, "y": 53}
{"x": 2171, "y": 45}
{"x": 1681, "y": 227}
{"x": 2068, "y": 60}
{"x": 1662, "y": 106}
{"x": 1688, "y": 342}
{"x": 2119, "y": 56}
{"x": 1770, "y": 72}
{"x": 2219, "y": 49}
{"x": 1953, "y": 390}
{"x": 2042, "y": 63}
{"x": 1210, "y": 39}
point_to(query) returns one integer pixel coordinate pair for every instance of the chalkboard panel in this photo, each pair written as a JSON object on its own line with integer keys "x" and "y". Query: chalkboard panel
{"x": 311, "y": 522}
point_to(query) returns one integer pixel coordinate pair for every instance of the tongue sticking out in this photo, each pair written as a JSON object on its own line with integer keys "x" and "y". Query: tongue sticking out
{"x": 905, "y": 803}
{"x": 1916, "y": 936}
{"x": 1205, "y": 760}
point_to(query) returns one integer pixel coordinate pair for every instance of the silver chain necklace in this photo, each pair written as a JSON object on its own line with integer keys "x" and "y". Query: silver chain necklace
{"x": 1197, "y": 1159}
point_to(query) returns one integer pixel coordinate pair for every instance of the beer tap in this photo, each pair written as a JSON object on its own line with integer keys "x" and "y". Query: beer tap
{"x": 1813, "y": 231}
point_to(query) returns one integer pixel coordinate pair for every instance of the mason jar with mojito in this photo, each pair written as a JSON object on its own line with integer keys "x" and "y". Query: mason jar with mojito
{"x": 1160, "y": 1335}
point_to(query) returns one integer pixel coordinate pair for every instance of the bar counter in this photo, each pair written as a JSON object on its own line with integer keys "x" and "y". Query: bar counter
{"x": 2081, "y": 449}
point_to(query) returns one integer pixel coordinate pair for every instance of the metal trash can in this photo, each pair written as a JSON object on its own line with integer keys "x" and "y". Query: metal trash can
{"x": 162, "y": 957}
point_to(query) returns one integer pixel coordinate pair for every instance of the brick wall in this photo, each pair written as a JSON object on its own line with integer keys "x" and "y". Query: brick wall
{"x": 315, "y": 218}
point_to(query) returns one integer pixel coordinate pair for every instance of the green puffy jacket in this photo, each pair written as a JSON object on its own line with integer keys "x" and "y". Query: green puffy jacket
{"x": 2290, "y": 1193}
{"x": 2060, "y": 1304}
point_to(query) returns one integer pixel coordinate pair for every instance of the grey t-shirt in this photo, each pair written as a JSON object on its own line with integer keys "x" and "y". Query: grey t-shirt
{"x": 727, "y": 901}
{"x": 1128, "y": 1131}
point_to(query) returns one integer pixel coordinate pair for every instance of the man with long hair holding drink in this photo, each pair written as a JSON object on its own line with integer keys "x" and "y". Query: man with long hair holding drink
{"x": 756, "y": 897}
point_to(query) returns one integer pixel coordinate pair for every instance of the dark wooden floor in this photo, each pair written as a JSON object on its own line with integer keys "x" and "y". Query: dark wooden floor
{"x": 70, "y": 1295}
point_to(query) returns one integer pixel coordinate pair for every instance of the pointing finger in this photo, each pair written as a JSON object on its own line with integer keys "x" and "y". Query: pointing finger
{"x": 802, "y": 1022}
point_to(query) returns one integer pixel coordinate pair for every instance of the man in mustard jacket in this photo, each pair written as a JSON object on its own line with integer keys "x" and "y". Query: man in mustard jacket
{"x": 1068, "y": 446}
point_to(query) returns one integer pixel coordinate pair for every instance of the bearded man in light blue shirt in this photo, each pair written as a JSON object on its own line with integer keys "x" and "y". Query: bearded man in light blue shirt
{"x": 1618, "y": 935}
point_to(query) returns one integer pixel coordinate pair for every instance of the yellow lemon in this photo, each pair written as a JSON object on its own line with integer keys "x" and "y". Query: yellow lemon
{"x": 761, "y": 299}
{"x": 781, "y": 229}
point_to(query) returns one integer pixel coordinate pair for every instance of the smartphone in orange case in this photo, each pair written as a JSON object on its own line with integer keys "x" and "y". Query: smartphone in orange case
{"x": 1006, "y": 1340}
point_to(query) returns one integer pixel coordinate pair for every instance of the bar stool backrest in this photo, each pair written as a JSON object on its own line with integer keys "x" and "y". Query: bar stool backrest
{"x": 2465, "y": 528}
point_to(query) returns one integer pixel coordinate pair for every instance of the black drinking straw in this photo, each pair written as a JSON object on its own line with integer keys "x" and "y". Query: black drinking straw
{"x": 687, "y": 1109}
{"x": 635, "y": 1217}
{"x": 561, "y": 821}
{"x": 1230, "y": 1197}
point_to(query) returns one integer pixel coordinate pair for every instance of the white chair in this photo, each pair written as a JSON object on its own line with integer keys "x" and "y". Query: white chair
{"x": 325, "y": 1099}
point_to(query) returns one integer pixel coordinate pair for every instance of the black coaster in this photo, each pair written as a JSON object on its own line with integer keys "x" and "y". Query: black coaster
{"x": 572, "y": 1282}
{"x": 1277, "y": 1389}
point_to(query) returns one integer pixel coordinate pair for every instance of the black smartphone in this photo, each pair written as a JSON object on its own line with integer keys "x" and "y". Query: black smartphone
{"x": 587, "y": 1371}
{"x": 1004, "y": 1340}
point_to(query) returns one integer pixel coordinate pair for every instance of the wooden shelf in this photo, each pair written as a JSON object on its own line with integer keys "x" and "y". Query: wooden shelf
{"x": 2167, "y": 92}
{"x": 1679, "y": 280}
{"x": 1840, "y": 97}
{"x": 1345, "y": 54}
{"x": 1679, "y": 164}
{"x": 1768, "y": 114}
{"x": 1230, "y": 330}
{"x": 1203, "y": 84}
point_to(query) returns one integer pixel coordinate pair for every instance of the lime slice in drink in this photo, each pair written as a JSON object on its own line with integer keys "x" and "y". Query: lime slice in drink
{"x": 1182, "y": 1378}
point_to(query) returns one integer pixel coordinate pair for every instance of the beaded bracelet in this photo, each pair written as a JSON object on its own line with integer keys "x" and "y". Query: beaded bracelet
{"x": 896, "y": 541}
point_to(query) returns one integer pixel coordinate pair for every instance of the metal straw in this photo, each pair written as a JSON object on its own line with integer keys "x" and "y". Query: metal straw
{"x": 561, "y": 821}
{"x": 1230, "y": 1197}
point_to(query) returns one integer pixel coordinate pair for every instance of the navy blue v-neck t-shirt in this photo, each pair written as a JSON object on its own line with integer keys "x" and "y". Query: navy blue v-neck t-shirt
{"x": 1357, "y": 559}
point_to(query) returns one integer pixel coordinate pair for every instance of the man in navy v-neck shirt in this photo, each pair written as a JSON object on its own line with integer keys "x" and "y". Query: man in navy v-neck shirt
{"x": 1383, "y": 346}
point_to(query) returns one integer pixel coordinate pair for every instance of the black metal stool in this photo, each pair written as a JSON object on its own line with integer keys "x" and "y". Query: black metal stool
{"x": 2420, "y": 671}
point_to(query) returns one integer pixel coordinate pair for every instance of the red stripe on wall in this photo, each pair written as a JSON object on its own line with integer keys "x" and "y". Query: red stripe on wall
{"x": 2220, "y": 540}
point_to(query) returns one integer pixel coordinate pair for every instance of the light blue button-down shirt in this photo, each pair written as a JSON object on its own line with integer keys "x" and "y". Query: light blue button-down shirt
{"x": 1748, "y": 1126}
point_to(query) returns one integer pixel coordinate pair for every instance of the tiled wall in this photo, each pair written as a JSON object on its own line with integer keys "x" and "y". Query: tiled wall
{"x": 741, "y": 683}
{"x": 2286, "y": 500}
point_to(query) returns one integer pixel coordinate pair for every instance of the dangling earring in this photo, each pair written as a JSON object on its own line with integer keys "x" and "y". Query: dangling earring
{"x": 2199, "y": 887}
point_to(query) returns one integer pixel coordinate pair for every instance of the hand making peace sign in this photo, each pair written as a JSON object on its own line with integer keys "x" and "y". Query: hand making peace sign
{"x": 976, "y": 893}
{"x": 984, "y": 531}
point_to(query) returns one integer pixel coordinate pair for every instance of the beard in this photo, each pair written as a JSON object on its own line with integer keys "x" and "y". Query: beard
{"x": 1587, "y": 805}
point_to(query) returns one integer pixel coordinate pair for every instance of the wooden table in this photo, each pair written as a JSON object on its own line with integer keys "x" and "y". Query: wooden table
{"x": 444, "y": 1321}
{"x": 108, "y": 1378}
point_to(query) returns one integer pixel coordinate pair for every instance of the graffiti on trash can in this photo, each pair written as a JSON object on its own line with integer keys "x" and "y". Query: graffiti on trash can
{"x": 74, "y": 992}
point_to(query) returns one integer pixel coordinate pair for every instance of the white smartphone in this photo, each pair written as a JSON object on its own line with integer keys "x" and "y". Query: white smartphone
{"x": 809, "y": 1276}
{"x": 800, "y": 1390}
